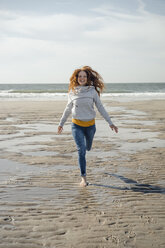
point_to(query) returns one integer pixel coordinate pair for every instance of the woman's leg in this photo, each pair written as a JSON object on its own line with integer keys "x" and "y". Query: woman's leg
{"x": 79, "y": 137}
{"x": 89, "y": 135}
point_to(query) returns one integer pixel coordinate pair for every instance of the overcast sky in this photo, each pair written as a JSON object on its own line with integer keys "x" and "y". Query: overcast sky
{"x": 43, "y": 41}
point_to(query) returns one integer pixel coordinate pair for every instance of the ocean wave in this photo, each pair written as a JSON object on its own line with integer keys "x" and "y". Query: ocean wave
{"x": 135, "y": 94}
{"x": 38, "y": 91}
{"x": 27, "y": 94}
{"x": 13, "y": 95}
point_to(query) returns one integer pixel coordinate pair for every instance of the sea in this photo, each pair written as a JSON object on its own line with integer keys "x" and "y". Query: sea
{"x": 115, "y": 91}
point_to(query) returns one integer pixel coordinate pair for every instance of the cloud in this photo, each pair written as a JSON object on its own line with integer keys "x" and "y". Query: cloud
{"x": 123, "y": 46}
{"x": 141, "y": 7}
{"x": 46, "y": 27}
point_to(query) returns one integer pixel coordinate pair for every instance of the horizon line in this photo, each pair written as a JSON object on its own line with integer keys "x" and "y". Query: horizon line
{"x": 104, "y": 82}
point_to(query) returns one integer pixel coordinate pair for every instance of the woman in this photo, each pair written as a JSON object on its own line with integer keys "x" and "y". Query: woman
{"x": 84, "y": 91}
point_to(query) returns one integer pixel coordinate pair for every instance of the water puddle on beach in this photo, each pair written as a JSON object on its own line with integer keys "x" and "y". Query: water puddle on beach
{"x": 24, "y": 183}
{"x": 28, "y": 136}
{"x": 40, "y": 153}
{"x": 135, "y": 137}
{"x": 9, "y": 169}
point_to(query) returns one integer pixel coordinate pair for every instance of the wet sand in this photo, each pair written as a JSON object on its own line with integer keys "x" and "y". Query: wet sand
{"x": 41, "y": 202}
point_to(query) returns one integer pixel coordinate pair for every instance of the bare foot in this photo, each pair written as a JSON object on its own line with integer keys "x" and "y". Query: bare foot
{"x": 83, "y": 182}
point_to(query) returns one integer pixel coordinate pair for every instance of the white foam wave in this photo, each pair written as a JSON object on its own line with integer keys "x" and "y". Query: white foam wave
{"x": 124, "y": 97}
{"x": 11, "y": 95}
{"x": 8, "y": 95}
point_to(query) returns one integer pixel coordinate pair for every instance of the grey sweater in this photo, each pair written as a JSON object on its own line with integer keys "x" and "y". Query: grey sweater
{"x": 81, "y": 104}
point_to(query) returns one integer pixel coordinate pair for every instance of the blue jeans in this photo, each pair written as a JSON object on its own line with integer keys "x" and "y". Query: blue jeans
{"x": 83, "y": 137}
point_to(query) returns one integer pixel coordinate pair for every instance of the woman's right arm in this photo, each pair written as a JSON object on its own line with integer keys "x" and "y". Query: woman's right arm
{"x": 65, "y": 115}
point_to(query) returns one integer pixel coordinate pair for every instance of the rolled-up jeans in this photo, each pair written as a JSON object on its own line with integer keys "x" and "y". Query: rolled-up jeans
{"x": 83, "y": 137}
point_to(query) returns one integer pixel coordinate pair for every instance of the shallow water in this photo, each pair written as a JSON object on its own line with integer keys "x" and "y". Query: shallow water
{"x": 16, "y": 182}
{"x": 11, "y": 169}
{"x": 29, "y": 136}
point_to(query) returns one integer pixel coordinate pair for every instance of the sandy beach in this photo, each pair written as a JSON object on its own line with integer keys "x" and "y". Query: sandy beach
{"x": 41, "y": 202}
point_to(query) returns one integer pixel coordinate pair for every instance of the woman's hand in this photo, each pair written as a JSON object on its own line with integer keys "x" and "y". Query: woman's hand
{"x": 60, "y": 129}
{"x": 113, "y": 127}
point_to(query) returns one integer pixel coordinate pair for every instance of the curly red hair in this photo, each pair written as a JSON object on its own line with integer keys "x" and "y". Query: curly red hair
{"x": 93, "y": 79}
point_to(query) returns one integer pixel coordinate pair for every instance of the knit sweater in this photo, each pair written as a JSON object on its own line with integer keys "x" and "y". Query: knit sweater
{"x": 81, "y": 105}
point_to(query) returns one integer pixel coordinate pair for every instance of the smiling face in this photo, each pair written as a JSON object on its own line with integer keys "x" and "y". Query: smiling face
{"x": 82, "y": 78}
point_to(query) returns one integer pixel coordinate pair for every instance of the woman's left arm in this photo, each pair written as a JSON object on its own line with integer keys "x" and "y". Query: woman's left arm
{"x": 103, "y": 112}
{"x": 113, "y": 127}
